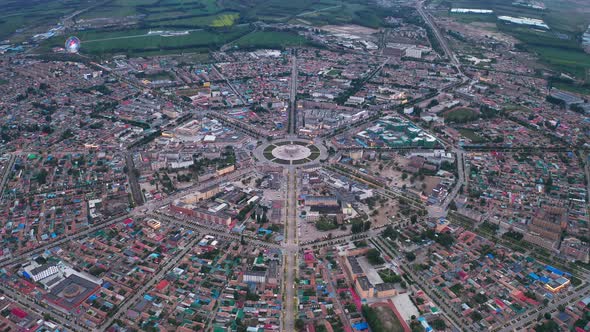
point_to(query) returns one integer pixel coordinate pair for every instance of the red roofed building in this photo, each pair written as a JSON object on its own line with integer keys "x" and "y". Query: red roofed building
{"x": 18, "y": 312}
{"x": 162, "y": 285}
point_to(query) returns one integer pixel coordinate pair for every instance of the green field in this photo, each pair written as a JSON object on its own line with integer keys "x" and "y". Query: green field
{"x": 275, "y": 10}
{"x": 471, "y": 135}
{"x": 270, "y": 39}
{"x": 559, "y": 48}
{"x": 32, "y": 16}
{"x": 162, "y": 75}
{"x": 461, "y": 115}
{"x": 571, "y": 61}
{"x": 137, "y": 43}
{"x": 351, "y": 12}
{"x": 576, "y": 88}
{"x": 568, "y": 16}
{"x": 471, "y": 18}
{"x": 210, "y": 23}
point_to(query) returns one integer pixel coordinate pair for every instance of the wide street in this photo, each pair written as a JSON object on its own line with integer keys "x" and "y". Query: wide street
{"x": 291, "y": 249}
{"x": 293, "y": 95}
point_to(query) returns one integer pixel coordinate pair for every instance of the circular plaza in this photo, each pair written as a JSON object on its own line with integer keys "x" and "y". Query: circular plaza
{"x": 291, "y": 152}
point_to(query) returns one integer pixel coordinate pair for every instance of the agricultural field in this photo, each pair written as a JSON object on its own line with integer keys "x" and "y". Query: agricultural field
{"x": 153, "y": 9}
{"x": 352, "y": 12}
{"x": 153, "y": 27}
{"x": 559, "y": 48}
{"x": 140, "y": 43}
{"x": 275, "y": 10}
{"x": 22, "y": 19}
{"x": 270, "y": 39}
{"x": 179, "y": 26}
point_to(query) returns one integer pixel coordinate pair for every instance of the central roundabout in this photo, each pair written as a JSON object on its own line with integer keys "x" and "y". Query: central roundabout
{"x": 291, "y": 152}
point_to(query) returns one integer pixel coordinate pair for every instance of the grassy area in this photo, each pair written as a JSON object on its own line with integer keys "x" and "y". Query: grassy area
{"x": 22, "y": 19}
{"x": 352, "y": 12}
{"x": 461, "y": 115}
{"x": 38, "y": 15}
{"x": 561, "y": 52}
{"x": 471, "y": 18}
{"x": 471, "y": 135}
{"x": 571, "y": 61}
{"x": 456, "y": 288}
{"x": 270, "y": 39}
{"x": 326, "y": 224}
{"x": 225, "y": 20}
{"x": 220, "y": 20}
{"x": 138, "y": 43}
{"x": 162, "y": 75}
{"x": 571, "y": 87}
{"x": 567, "y": 15}
{"x": 275, "y": 10}
{"x": 559, "y": 47}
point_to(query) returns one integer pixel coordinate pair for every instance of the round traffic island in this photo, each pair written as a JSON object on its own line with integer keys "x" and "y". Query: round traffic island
{"x": 291, "y": 152}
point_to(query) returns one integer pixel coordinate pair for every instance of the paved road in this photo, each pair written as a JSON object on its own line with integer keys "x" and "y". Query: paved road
{"x": 587, "y": 171}
{"x": 424, "y": 285}
{"x": 230, "y": 85}
{"x": 157, "y": 277}
{"x": 6, "y": 173}
{"x": 153, "y": 205}
{"x": 42, "y": 308}
{"x": 443, "y": 42}
{"x": 293, "y": 95}
{"x": 332, "y": 289}
{"x": 391, "y": 192}
{"x": 133, "y": 182}
{"x": 291, "y": 252}
{"x": 58, "y": 316}
{"x": 437, "y": 211}
{"x": 519, "y": 323}
{"x": 26, "y": 255}
{"x": 221, "y": 232}
{"x": 251, "y": 130}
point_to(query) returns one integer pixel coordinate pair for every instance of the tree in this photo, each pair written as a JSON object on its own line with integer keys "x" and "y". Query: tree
{"x": 410, "y": 256}
{"x": 453, "y": 206}
{"x": 438, "y": 324}
{"x": 549, "y": 184}
{"x": 374, "y": 257}
{"x": 476, "y": 316}
{"x": 389, "y": 232}
{"x": 548, "y": 326}
{"x": 299, "y": 324}
{"x": 357, "y": 226}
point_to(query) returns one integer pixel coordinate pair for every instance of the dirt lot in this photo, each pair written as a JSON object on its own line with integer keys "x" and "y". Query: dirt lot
{"x": 388, "y": 319}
